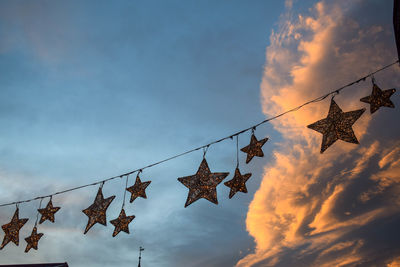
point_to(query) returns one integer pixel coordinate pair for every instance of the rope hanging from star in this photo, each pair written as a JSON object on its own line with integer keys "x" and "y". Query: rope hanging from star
{"x": 122, "y": 222}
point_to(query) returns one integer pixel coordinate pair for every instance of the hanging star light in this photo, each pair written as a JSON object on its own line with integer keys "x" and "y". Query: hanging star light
{"x": 238, "y": 182}
{"x": 254, "y": 148}
{"x": 138, "y": 189}
{"x": 379, "y": 98}
{"x": 337, "y": 125}
{"x": 122, "y": 223}
{"x": 32, "y": 240}
{"x": 97, "y": 211}
{"x": 203, "y": 184}
{"x": 12, "y": 228}
{"x": 48, "y": 212}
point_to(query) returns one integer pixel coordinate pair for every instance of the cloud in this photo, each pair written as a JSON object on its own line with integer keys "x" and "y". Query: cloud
{"x": 313, "y": 209}
{"x": 394, "y": 263}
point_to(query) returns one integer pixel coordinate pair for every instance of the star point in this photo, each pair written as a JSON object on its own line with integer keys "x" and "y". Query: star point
{"x": 97, "y": 211}
{"x": 203, "y": 184}
{"x": 254, "y": 148}
{"x": 121, "y": 223}
{"x": 12, "y": 228}
{"x": 33, "y": 240}
{"x": 238, "y": 183}
{"x": 337, "y": 125}
{"x": 48, "y": 212}
{"x": 379, "y": 98}
{"x": 138, "y": 189}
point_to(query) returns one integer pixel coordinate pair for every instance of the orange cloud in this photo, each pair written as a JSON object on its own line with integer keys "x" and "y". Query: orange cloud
{"x": 394, "y": 263}
{"x": 306, "y": 59}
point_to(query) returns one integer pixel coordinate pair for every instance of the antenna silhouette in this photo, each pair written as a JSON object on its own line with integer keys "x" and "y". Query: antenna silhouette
{"x": 140, "y": 255}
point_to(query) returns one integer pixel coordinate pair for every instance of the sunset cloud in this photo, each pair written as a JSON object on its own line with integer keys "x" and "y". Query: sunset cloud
{"x": 311, "y": 207}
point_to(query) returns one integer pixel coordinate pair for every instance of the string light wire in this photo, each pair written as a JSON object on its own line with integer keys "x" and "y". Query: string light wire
{"x": 126, "y": 186}
{"x": 205, "y": 147}
{"x": 237, "y": 151}
{"x": 37, "y": 214}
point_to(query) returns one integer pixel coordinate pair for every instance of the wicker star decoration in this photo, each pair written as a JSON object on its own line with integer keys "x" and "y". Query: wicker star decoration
{"x": 48, "y": 212}
{"x": 238, "y": 182}
{"x": 379, "y": 98}
{"x": 203, "y": 184}
{"x": 12, "y": 228}
{"x": 138, "y": 189}
{"x": 32, "y": 240}
{"x": 254, "y": 148}
{"x": 97, "y": 211}
{"x": 122, "y": 223}
{"x": 337, "y": 125}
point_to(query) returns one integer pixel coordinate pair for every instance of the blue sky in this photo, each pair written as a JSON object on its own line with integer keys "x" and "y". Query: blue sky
{"x": 93, "y": 89}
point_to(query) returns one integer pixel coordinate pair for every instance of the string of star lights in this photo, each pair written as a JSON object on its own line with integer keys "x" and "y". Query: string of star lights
{"x": 336, "y": 126}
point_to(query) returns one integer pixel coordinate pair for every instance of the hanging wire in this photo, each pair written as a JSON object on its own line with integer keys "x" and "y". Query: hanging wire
{"x": 205, "y": 147}
{"x": 373, "y": 79}
{"x": 37, "y": 214}
{"x": 237, "y": 151}
{"x": 126, "y": 186}
{"x": 335, "y": 94}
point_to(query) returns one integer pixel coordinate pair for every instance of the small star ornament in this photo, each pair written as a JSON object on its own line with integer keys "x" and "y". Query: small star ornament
{"x": 32, "y": 240}
{"x": 379, "y": 98}
{"x": 254, "y": 148}
{"x": 337, "y": 125}
{"x": 238, "y": 183}
{"x": 203, "y": 184}
{"x": 48, "y": 212}
{"x": 122, "y": 223}
{"x": 138, "y": 189}
{"x": 97, "y": 211}
{"x": 12, "y": 228}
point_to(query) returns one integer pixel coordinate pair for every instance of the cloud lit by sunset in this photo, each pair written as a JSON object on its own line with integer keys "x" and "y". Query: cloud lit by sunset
{"x": 313, "y": 208}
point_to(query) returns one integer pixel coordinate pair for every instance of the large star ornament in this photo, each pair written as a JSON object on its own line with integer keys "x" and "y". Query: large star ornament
{"x": 254, "y": 148}
{"x": 203, "y": 184}
{"x": 379, "y": 98}
{"x": 337, "y": 125}
{"x": 97, "y": 211}
{"x": 138, "y": 189}
{"x": 122, "y": 223}
{"x": 48, "y": 212}
{"x": 12, "y": 228}
{"x": 238, "y": 183}
{"x": 32, "y": 240}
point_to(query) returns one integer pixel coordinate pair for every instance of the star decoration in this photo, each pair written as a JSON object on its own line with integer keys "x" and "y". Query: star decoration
{"x": 32, "y": 240}
{"x": 122, "y": 223}
{"x": 337, "y": 125}
{"x": 203, "y": 184}
{"x": 379, "y": 98}
{"x": 48, "y": 212}
{"x": 97, "y": 211}
{"x": 238, "y": 183}
{"x": 12, "y": 228}
{"x": 254, "y": 148}
{"x": 138, "y": 189}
